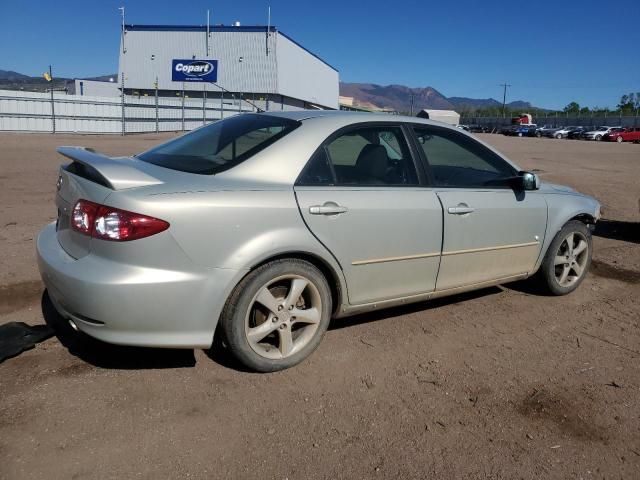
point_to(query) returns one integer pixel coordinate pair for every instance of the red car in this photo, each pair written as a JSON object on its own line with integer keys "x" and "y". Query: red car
{"x": 631, "y": 134}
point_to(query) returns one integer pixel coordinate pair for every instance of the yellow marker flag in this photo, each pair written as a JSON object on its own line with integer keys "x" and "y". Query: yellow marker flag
{"x": 46, "y": 76}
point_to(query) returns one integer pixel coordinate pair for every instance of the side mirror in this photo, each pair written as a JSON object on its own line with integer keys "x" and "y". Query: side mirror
{"x": 528, "y": 181}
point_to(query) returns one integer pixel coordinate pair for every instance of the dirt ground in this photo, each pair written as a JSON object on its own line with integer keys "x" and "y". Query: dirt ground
{"x": 500, "y": 383}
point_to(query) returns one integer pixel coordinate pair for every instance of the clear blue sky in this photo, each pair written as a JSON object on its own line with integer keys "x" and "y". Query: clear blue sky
{"x": 552, "y": 52}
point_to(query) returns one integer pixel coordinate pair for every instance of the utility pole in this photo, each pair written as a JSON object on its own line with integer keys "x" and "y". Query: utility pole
{"x": 124, "y": 50}
{"x": 204, "y": 84}
{"x": 504, "y": 96}
{"x": 412, "y": 104}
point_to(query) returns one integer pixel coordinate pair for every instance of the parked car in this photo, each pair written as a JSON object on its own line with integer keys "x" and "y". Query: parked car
{"x": 564, "y": 132}
{"x": 508, "y": 130}
{"x": 520, "y": 130}
{"x": 526, "y": 130}
{"x": 463, "y": 127}
{"x": 260, "y": 228}
{"x": 597, "y": 133}
{"x": 542, "y": 131}
{"x": 577, "y": 132}
{"x": 620, "y": 135}
{"x": 474, "y": 128}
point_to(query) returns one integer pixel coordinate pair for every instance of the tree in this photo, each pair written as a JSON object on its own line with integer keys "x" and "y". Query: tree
{"x": 628, "y": 103}
{"x": 572, "y": 108}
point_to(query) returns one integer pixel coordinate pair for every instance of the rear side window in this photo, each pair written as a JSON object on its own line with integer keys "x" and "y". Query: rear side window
{"x": 372, "y": 156}
{"x": 221, "y": 145}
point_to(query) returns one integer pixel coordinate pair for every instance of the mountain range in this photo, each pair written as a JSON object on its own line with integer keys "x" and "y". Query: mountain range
{"x": 399, "y": 98}
{"x": 366, "y": 95}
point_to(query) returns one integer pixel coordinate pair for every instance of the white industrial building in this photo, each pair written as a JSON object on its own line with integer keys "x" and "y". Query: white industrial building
{"x": 259, "y": 64}
{"x": 446, "y": 116}
{"x": 96, "y": 88}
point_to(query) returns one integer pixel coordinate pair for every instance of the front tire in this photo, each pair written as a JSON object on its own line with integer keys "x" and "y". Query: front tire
{"x": 277, "y": 315}
{"x": 567, "y": 260}
{"x": 598, "y": 138}
{"x": 619, "y": 139}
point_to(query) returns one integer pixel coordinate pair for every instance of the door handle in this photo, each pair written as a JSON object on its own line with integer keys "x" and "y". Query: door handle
{"x": 461, "y": 209}
{"x": 328, "y": 208}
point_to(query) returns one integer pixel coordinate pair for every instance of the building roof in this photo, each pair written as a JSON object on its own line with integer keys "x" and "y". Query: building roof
{"x": 220, "y": 28}
{"x": 440, "y": 112}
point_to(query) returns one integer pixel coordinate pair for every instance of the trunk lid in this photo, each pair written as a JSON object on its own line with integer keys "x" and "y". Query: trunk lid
{"x": 91, "y": 176}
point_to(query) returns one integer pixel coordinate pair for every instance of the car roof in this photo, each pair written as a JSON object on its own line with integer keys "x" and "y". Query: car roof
{"x": 352, "y": 117}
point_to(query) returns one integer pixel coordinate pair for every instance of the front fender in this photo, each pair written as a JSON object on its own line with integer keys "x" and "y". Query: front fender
{"x": 562, "y": 207}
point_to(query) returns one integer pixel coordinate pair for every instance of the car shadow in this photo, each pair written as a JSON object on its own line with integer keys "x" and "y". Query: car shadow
{"x": 391, "y": 312}
{"x": 105, "y": 355}
{"x": 618, "y": 230}
{"x": 528, "y": 287}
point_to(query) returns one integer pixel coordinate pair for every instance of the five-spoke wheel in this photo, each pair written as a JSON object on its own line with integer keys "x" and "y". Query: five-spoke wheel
{"x": 567, "y": 259}
{"x": 284, "y": 316}
{"x": 571, "y": 259}
{"x": 277, "y": 315}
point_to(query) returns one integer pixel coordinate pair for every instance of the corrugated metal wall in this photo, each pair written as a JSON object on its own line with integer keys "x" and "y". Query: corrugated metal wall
{"x": 245, "y": 64}
{"x": 31, "y": 112}
{"x": 303, "y": 76}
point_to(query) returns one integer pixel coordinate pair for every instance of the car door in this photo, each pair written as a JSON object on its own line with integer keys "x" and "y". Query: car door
{"x": 361, "y": 196}
{"x": 491, "y": 232}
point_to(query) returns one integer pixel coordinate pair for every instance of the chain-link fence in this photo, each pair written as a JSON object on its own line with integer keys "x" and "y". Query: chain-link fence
{"x": 558, "y": 120}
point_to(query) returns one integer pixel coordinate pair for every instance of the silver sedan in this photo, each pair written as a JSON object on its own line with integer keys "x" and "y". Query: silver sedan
{"x": 260, "y": 228}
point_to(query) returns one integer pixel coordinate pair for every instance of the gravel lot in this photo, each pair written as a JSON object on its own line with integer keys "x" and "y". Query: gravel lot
{"x": 500, "y": 383}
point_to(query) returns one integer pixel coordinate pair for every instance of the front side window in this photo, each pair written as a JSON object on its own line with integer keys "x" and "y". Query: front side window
{"x": 456, "y": 160}
{"x": 221, "y": 145}
{"x": 376, "y": 155}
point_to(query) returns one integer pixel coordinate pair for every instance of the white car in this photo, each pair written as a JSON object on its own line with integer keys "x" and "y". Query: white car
{"x": 597, "y": 133}
{"x": 563, "y": 132}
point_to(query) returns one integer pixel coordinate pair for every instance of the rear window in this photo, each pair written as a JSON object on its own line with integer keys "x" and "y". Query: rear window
{"x": 221, "y": 145}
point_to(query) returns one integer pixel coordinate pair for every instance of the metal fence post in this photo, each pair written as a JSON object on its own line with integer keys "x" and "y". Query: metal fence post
{"x": 122, "y": 102}
{"x": 240, "y": 104}
{"x": 183, "y": 106}
{"x": 221, "y": 103}
{"x": 53, "y": 108}
{"x": 204, "y": 103}
{"x": 157, "y": 118}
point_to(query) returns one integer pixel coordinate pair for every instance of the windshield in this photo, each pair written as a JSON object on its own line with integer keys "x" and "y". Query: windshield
{"x": 221, "y": 145}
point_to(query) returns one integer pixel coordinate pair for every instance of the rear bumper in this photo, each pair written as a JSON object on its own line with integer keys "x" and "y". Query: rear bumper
{"x": 134, "y": 305}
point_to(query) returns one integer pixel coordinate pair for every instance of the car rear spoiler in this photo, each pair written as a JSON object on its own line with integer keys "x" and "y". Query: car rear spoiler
{"x": 116, "y": 174}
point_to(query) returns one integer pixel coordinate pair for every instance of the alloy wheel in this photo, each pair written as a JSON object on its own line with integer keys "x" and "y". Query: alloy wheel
{"x": 571, "y": 259}
{"x": 283, "y": 316}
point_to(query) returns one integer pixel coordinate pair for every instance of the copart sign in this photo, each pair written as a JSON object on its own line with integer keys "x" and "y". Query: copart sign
{"x": 194, "y": 70}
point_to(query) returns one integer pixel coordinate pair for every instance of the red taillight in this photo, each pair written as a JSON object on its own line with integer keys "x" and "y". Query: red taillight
{"x": 108, "y": 223}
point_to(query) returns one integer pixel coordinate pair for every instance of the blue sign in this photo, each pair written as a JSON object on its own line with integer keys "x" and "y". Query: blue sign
{"x": 194, "y": 70}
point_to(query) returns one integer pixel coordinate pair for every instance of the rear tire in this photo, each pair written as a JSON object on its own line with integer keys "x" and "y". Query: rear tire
{"x": 277, "y": 315}
{"x": 568, "y": 258}
{"x": 598, "y": 138}
{"x": 619, "y": 140}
